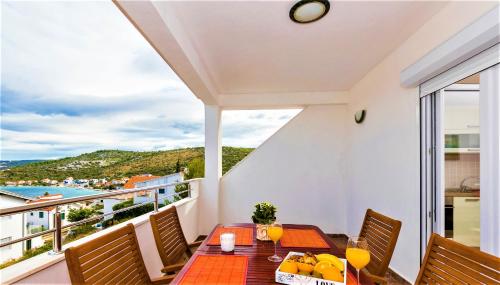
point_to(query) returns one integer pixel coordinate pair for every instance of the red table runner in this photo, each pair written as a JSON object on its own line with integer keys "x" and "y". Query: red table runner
{"x": 351, "y": 278}
{"x": 302, "y": 238}
{"x": 244, "y": 235}
{"x": 216, "y": 269}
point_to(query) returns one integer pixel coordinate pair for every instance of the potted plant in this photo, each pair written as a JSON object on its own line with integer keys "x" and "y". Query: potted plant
{"x": 263, "y": 216}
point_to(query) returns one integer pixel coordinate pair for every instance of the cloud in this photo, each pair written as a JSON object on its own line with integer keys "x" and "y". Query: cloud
{"x": 78, "y": 48}
{"x": 77, "y": 105}
{"x": 77, "y": 77}
{"x": 251, "y": 128}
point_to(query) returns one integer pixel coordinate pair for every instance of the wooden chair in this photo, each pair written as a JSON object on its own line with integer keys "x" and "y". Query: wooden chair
{"x": 114, "y": 258}
{"x": 170, "y": 240}
{"x": 381, "y": 233}
{"x": 449, "y": 262}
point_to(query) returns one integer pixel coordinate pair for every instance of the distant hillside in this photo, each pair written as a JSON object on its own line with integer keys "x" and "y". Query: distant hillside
{"x": 4, "y": 164}
{"x": 117, "y": 163}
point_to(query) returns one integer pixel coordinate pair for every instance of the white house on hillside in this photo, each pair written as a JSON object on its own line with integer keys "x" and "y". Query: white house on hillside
{"x": 110, "y": 202}
{"x": 44, "y": 217}
{"x": 12, "y": 226}
{"x": 68, "y": 181}
{"x": 165, "y": 193}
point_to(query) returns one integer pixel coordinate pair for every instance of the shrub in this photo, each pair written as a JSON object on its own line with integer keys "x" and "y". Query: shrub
{"x": 76, "y": 215}
{"x": 28, "y": 254}
{"x": 265, "y": 213}
{"x": 180, "y": 189}
{"x": 132, "y": 213}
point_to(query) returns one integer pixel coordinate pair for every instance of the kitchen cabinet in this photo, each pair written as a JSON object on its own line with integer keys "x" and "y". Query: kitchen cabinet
{"x": 466, "y": 220}
{"x": 461, "y": 127}
{"x": 461, "y": 120}
{"x": 462, "y": 143}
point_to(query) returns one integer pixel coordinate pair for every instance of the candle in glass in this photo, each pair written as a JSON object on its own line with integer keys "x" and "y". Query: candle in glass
{"x": 227, "y": 242}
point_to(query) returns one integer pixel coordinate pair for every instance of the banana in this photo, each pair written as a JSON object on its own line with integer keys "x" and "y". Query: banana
{"x": 332, "y": 259}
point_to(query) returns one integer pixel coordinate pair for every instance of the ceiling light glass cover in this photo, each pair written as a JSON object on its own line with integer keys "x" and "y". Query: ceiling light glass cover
{"x": 307, "y": 11}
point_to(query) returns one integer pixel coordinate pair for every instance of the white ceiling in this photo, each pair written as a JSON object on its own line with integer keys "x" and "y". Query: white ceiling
{"x": 253, "y": 46}
{"x": 250, "y": 54}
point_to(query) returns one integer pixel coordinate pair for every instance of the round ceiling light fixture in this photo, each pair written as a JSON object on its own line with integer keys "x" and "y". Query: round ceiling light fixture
{"x": 307, "y": 11}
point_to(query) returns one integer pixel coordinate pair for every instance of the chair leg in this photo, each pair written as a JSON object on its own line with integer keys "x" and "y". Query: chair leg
{"x": 171, "y": 269}
{"x": 375, "y": 278}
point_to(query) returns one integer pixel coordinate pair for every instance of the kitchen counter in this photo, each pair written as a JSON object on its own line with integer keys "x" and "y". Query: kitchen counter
{"x": 454, "y": 192}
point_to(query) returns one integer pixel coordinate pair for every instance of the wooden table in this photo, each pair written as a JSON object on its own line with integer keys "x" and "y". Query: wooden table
{"x": 260, "y": 270}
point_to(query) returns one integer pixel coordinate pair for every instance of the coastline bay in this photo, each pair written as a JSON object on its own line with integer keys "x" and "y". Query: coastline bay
{"x": 35, "y": 191}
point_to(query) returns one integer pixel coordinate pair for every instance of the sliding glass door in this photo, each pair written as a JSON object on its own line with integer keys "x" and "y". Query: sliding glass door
{"x": 460, "y": 158}
{"x": 461, "y": 176}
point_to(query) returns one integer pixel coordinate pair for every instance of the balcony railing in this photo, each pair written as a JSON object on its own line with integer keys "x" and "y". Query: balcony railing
{"x": 57, "y": 228}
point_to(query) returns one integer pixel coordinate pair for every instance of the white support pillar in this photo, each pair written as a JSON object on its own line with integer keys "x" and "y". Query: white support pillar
{"x": 209, "y": 196}
{"x": 489, "y": 107}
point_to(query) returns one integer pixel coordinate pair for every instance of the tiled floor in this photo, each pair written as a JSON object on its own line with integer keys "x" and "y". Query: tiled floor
{"x": 392, "y": 278}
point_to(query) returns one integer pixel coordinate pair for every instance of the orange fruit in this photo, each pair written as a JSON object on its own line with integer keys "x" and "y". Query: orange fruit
{"x": 320, "y": 266}
{"x": 289, "y": 266}
{"x": 333, "y": 274}
{"x": 305, "y": 267}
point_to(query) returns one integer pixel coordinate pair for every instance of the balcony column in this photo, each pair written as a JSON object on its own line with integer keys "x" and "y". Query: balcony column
{"x": 209, "y": 196}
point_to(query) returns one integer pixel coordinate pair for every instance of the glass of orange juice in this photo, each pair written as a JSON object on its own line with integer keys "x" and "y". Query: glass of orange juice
{"x": 275, "y": 231}
{"x": 358, "y": 253}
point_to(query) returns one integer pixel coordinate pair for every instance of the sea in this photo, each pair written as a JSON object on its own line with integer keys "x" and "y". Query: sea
{"x": 35, "y": 191}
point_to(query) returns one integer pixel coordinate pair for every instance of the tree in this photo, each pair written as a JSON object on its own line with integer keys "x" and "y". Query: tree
{"x": 177, "y": 166}
{"x": 181, "y": 190}
{"x": 76, "y": 215}
{"x": 196, "y": 168}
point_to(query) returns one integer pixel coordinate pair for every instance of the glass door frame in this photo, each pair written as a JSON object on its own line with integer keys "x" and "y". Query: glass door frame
{"x": 432, "y": 161}
{"x": 489, "y": 105}
{"x": 431, "y": 167}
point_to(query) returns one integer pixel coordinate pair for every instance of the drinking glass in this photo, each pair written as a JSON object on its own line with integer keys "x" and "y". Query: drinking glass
{"x": 358, "y": 253}
{"x": 275, "y": 231}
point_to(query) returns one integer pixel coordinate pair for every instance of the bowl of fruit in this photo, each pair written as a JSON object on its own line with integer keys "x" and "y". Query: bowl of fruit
{"x": 308, "y": 268}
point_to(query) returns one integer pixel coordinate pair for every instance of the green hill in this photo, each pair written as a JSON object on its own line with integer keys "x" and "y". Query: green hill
{"x": 118, "y": 163}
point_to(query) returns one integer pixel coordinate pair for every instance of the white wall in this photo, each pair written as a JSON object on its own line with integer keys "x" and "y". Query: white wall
{"x": 108, "y": 206}
{"x": 35, "y": 219}
{"x": 11, "y": 227}
{"x": 169, "y": 191}
{"x": 384, "y": 150}
{"x": 300, "y": 169}
{"x": 168, "y": 194}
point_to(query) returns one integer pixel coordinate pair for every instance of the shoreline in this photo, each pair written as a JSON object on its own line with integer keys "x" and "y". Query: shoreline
{"x": 60, "y": 186}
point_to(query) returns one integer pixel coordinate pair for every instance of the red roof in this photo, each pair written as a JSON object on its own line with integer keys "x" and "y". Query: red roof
{"x": 139, "y": 178}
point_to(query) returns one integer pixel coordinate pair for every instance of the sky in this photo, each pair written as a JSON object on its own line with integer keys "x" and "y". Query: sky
{"x": 78, "y": 77}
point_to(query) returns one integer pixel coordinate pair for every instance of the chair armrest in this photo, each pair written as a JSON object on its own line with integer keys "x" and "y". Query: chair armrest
{"x": 195, "y": 244}
{"x": 173, "y": 267}
{"x": 375, "y": 278}
{"x": 162, "y": 280}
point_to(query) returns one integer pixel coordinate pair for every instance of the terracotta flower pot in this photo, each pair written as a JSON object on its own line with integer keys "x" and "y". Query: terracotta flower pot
{"x": 262, "y": 232}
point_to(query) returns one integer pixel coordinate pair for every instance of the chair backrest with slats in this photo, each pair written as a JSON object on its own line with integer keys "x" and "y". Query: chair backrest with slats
{"x": 382, "y": 233}
{"x": 169, "y": 238}
{"x": 449, "y": 262}
{"x": 114, "y": 258}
